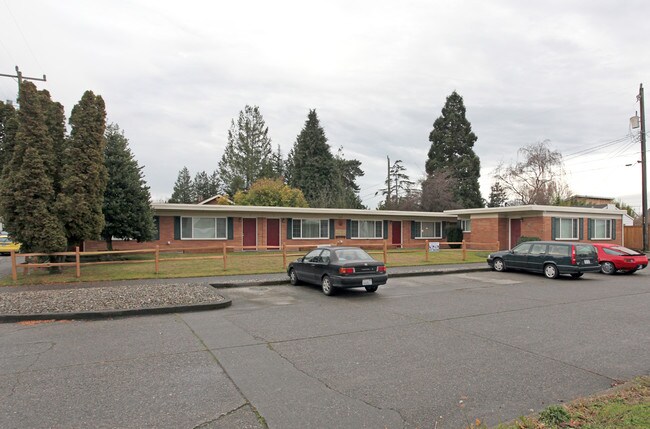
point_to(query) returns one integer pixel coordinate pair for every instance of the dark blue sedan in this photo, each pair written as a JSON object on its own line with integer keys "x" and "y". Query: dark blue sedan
{"x": 338, "y": 267}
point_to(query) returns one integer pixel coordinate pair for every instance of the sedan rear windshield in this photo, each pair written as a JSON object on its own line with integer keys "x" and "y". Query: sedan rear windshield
{"x": 620, "y": 250}
{"x": 352, "y": 255}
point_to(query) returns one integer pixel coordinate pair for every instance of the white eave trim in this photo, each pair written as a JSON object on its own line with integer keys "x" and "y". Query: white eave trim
{"x": 544, "y": 210}
{"x": 185, "y": 209}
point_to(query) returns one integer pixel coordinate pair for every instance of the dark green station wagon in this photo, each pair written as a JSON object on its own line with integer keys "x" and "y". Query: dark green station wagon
{"x": 552, "y": 258}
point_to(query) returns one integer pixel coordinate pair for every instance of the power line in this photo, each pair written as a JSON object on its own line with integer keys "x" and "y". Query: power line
{"x": 23, "y": 35}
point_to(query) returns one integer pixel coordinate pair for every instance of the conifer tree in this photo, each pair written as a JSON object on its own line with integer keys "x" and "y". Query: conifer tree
{"x": 452, "y": 142}
{"x": 248, "y": 154}
{"x": 183, "y": 188}
{"x": 498, "y": 195}
{"x": 84, "y": 173}
{"x": 127, "y": 201}
{"x": 8, "y": 128}
{"x": 27, "y": 194}
{"x": 55, "y": 121}
{"x": 202, "y": 187}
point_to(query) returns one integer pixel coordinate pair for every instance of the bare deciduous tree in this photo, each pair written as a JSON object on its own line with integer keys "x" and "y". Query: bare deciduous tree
{"x": 438, "y": 192}
{"x": 538, "y": 179}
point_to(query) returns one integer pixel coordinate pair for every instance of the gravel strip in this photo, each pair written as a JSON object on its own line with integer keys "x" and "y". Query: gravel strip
{"x": 125, "y": 297}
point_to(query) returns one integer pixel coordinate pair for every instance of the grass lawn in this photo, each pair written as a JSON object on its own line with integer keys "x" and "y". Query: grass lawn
{"x": 624, "y": 407}
{"x": 173, "y": 265}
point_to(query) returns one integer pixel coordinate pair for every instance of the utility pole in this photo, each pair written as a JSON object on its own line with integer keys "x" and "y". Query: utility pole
{"x": 644, "y": 191}
{"x": 20, "y": 77}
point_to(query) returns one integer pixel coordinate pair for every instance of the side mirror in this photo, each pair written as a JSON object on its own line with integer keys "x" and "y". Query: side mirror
{"x": 300, "y": 259}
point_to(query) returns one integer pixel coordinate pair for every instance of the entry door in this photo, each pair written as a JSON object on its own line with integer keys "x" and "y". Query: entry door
{"x": 250, "y": 233}
{"x": 515, "y": 231}
{"x": 273, "y": 234}
{"x": 396, "y": 232}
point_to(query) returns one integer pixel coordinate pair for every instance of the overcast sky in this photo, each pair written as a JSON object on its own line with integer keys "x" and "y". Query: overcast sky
{"x": 173, "y": 75}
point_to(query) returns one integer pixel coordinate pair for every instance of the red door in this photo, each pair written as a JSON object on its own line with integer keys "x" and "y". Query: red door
{"x": 397, "y": 232}
{"x": 515, "y": 231}
{"x": 273, "y": 234}
{"x": 250, "y": 233}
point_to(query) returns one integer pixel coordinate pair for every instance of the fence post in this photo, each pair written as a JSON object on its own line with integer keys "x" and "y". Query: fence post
{"x": 284, "y": 256}
{"x": 464, "y": 246}
{"x": 77, "y": 257}
{"x": 426, "y": 250}
{"x": 224, "y": 250}
{"x": 14, "y": 273}
{"x": 385, "y": 251}
{"x": 157, "y": 257}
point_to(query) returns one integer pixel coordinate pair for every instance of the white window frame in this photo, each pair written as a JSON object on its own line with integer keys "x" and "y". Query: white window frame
{"x": 608, "y": 229}
{"x": 320, "y": 229}
{"x": 216, "y": 228}
{"x": 466, "y": 225}
{"x": 434, "y": 223}
{"x": 575, "y": 228}
{"x": 374, "y": 229}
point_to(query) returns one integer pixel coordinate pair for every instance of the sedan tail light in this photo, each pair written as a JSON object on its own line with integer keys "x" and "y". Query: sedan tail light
{"x": 344, "y": 270}
{"x": 573, "y": 255}
{"x": 381, "y": 269}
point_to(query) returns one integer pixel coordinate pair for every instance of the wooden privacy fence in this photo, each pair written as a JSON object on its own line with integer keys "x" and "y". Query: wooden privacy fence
{"x": 633, "y": 237}
{"x": 58, "y": 259}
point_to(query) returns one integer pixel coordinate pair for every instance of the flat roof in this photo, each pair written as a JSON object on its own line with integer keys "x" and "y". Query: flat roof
{"x": 535, "y": 208}
{"x": 180, "y": 209}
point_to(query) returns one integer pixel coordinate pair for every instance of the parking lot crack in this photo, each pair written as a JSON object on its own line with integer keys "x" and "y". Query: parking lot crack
{"x": 329, "y": 387}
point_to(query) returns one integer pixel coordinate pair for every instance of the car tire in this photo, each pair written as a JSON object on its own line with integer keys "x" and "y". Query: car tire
{"x": 326, "y": 285}
{"x": 371, "y": 288}
{"x": 293, "y": 278}
{"x": 498, "y": 265}
{"x": 550, "y": 271}
{"x": 576, "y": 275}
{"x": 607, "y": 268}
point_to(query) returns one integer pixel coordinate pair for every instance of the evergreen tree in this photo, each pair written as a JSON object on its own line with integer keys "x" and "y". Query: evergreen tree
{"x": 498, "y": 196}
{"x": 278, "y": 163}
{"x": 55, "y": 121}
{"x": 183, "y": 188}
{"x": 398, "y": 186}
{"x": 8, "y": 128}
{"x": 84, "y": 174}
{"x": 248, "y": 153}
{"x": 452, "y": 142}
{"x": 202, "y": 187}
{"x": 215, "y": 184}
{"x": 27, "y": 192}
{"x": 127, "y": 201}
{"x": 325, "y": 180}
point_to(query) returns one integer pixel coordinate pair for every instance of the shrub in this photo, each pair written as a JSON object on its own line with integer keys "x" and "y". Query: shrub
{"x": 454, "y": 235}
{"x": 524, "y": 238}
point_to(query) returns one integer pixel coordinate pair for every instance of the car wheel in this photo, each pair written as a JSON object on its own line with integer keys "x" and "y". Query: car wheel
{"x": 293, "y": 277}
{"x": 607, "y": 268}
{"x": 499, "y": 265}
{"x": 371, "y": 288}
{"x": 576, "y": 275}
{"x": 326, "y": 284}
{"x": 550, "y": 271}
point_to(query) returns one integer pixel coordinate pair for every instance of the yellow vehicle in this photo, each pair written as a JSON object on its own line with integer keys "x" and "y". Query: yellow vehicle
{"x": 7, "y": 245}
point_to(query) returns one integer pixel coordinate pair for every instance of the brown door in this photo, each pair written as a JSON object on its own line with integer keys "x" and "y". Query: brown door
{"x": 396, "y": 226}
{"x": 250, "y": 233}
{"x": 515, "y": 231}
{"x": 273, "y": 234}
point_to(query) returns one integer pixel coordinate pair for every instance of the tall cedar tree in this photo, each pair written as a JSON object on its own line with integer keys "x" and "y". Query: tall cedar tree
{"x": 84, "y": 174}
{"x": 127, "y": 201}
{"x": 452, "y": 142}
{"x": 55, "y": 121}
{"x": 27, "y": 192}
{"x": 248, "y": 155}
{"x": 325, "y": 180}
{"x": 183, "y": 188}
{"x": 8, "y": 128}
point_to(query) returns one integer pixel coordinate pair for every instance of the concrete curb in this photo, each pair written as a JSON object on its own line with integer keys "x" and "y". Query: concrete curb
{"x": 279, "y": 282}
{"x": 104, "y": 314}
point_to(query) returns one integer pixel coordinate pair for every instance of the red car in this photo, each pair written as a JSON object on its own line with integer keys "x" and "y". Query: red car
{"x": 613, "y": 258}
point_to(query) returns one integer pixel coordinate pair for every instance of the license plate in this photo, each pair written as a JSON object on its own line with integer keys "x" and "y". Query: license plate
{"x": 587, "y": 261}
{"x": 366, "y": 282}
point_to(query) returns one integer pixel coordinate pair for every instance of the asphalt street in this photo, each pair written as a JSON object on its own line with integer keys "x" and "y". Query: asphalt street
{"x": 423, "y": 352}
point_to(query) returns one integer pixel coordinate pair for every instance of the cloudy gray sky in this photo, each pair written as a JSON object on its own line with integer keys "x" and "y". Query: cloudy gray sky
{"x": 173, "y": 75}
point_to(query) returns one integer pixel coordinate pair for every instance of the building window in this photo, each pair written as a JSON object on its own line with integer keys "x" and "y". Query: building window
{"x": 602, "y": 229}
{"x": 567, "y": 229}
{"x": 466, "y": 225}
{"x": 366, "y": 229}
{"x": 204, "y": 228}
{"x": 430, "y": 230}
{"x": 311, "y": 228}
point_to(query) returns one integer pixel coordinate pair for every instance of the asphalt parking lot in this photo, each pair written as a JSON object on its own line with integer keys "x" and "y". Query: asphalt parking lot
{"x": 423, "y": 352}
